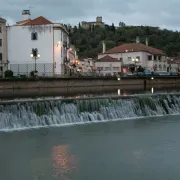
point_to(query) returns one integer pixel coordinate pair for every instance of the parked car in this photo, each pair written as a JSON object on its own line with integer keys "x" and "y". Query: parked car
{"x": 155, "y": 73}
{"x": 173, "y": 74}
{"x": 147, "y": 72}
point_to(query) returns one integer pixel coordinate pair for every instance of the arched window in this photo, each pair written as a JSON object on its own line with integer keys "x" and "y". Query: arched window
{"x": 34, "y": 36}
{"x": 160, "y": 67}
{"x": 164, "y": 67}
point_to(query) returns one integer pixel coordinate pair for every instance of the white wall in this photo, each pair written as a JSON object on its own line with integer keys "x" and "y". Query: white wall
{"x": 144, "y": 62}
{"x": 58, "y": 51}
{"x": 3, "y": 48}
{"x": 161, "y": 64}
{"x": 108, "y": 67}
{"x": 20, "y": 47}
{"x": 20, "y": 44}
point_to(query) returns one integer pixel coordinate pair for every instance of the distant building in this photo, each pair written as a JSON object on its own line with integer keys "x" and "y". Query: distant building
{"x": 3, "y": 47}
{"x": 133, "y": 55}
{"x": 173, "y": 64}
{"x": 86, "y": 64}
{"x": 51, "y": 40}
{"x": 98, "y": 22}
{"x": 108, "y": 65}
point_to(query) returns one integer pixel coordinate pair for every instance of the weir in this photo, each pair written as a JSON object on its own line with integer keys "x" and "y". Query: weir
{"x": 43, "y": 113}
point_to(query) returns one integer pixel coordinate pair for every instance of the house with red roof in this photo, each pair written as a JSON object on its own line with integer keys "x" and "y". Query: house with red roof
{"x": 50, "y": 39}
{"x": 131, "y": 56}
{"x": 173, "y": 64}
{"x": 108, "y": 65}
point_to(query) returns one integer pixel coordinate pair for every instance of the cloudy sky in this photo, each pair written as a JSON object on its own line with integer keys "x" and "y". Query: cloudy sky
{"x": 162, "y": 13}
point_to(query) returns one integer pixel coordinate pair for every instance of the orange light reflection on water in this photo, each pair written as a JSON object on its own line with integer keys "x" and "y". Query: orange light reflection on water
{"x": 64, "y": 162}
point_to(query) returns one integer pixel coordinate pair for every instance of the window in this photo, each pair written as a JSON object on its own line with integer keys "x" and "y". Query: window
{"x": 1, "y": 68}
{"x": 155, "y": 58}
{"x": 164, "y": 67}
{"x": 107, "y": 68}
{"x": 34, "y": 36}
{"x": 0, "y": 29}
{"x": 138, "y": 58}
{"x": 150, "y": 58}
{"x": 121, "y": 59}
{"x": 100, "y": 68}
{"x": 0, "y": 42}
{"x": 0, "y": 56}
{"x": 115, "y": 68}
{"x": 160, "y": 67}
{"x": 159, "y": 57}
{"x": 129, "y": 58}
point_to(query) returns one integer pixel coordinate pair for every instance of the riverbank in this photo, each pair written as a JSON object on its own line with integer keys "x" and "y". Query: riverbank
{"x": 84, "y": 87}
{"x": 144, "y": 82}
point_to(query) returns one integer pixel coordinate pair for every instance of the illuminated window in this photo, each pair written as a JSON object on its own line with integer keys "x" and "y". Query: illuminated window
{"x": 138, "y": 58}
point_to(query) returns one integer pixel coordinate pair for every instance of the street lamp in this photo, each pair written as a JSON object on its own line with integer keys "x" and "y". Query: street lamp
{"x": 35, "y": 55}
{"x": 135, "y": 61}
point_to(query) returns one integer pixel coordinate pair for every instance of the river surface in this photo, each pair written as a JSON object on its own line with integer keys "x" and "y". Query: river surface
{"x": 144, "y": 149}
{"x": 49, "y": 93}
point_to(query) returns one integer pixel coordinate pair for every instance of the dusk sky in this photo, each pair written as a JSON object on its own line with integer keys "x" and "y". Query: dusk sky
{"x": 160, "y": 13}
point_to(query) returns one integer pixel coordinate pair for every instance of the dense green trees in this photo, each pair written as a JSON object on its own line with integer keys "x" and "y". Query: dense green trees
{"x": 89, "y": 41}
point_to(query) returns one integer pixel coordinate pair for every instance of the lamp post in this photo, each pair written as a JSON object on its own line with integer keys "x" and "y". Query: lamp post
{"x": 35, "y": 55}
{"x": 135, "y": 61}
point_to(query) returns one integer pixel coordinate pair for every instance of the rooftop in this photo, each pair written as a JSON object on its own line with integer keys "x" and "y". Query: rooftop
{"x": 38, "y": 21}
{"x": 23, "y": 22}
{"x": 107, "y": 59}
{"x": 173, "y": 60}
{"x": 2, "y": 20}
{"x": 134, "y": 47}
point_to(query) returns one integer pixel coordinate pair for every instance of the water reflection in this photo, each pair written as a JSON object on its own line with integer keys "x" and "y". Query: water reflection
{"x": 152, "y": 90}
{"x": 88, "y": 93}
{"x": 64, "y": 163}
{"x": 119, "y": 92}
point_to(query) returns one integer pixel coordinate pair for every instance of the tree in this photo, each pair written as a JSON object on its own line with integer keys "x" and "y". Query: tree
{"x": 113, "y": 27}
{"x": 8, "y": 74}
{"x": 140, "y": 69}
{"x": 88, "y": 41}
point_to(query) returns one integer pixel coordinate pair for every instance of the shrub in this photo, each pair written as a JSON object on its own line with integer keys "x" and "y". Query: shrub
{"x": 8, "y": 74}
{"x": 32, "y": 73}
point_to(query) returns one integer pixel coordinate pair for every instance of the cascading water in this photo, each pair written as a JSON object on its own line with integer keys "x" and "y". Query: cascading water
{"x": 44, "y": 113}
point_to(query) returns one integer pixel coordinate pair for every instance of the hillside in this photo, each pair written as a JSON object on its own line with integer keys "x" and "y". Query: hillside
{"x": 89, "y": 41}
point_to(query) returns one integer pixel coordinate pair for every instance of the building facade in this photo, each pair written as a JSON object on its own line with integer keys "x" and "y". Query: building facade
{"x": 98, "y": 22}
{"x": 173, "y": 64}
{"x": 133, "y": 55}
{"x": 3, "y": 47}
{"x": 87, "y": 65}
{"x": 108, "y": 65}
{"x": 50, "y": 39}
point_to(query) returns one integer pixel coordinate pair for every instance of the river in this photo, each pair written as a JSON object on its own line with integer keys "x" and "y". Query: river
{"x": 132, "y": 138}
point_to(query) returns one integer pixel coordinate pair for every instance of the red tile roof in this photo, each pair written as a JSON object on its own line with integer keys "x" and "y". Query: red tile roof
{"x": 173, "y": 60}
{"x": 134, "y": 47}
{"x": 38, "y": 21}
{"x": 107, "y": 59}
{"x": 22, "y": 22}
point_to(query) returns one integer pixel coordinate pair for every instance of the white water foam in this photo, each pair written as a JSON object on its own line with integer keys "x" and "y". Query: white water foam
{"x": 30, "y": 115}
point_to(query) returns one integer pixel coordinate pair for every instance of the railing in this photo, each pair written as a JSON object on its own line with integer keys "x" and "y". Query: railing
{"x": 44, "y": 70}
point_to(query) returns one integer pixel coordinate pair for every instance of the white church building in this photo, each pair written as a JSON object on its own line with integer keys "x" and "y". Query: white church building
{"x": 50, "y": 39}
